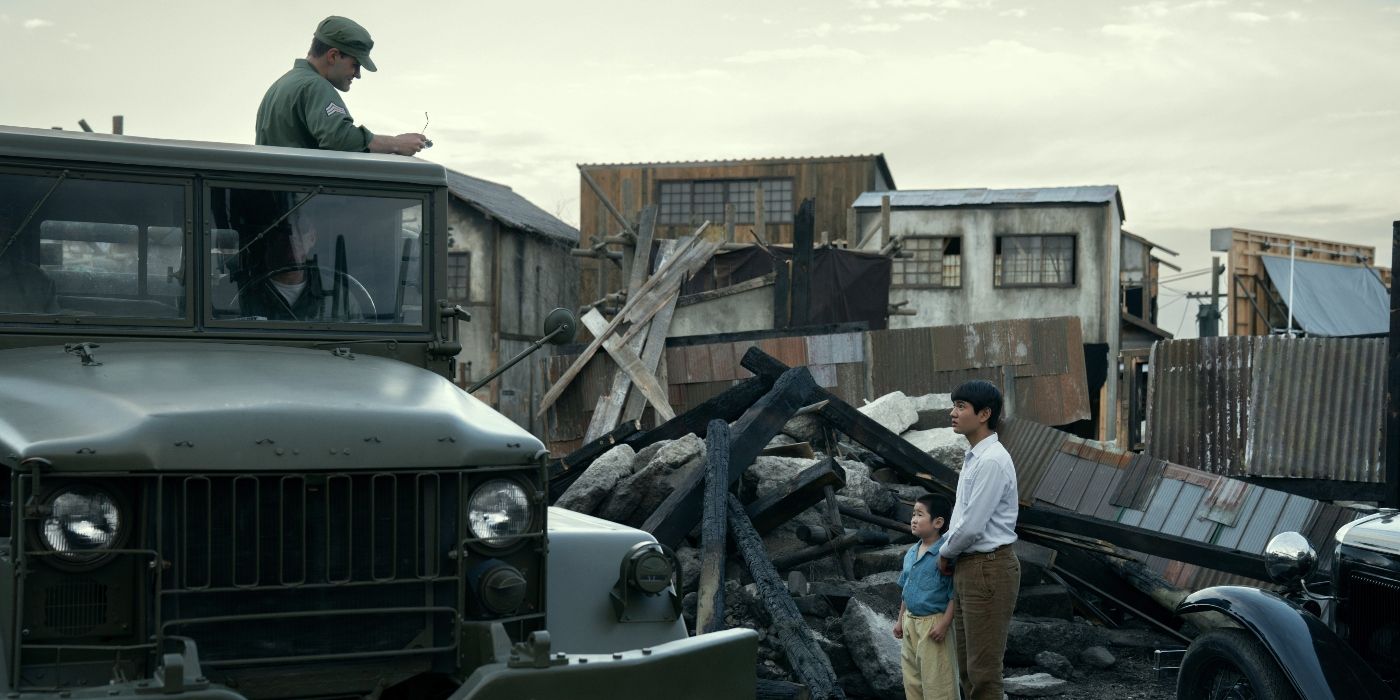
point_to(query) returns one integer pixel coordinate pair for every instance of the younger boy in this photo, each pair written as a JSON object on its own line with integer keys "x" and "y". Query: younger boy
{"x": 926, "y": 611}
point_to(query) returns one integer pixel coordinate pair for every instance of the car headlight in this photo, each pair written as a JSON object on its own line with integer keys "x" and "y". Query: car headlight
{"x": 498, "y": 512}
{"x": 81, "y": 523}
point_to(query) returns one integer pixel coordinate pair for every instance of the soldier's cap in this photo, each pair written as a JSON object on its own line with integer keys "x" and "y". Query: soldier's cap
{"x": 348, "y": 36}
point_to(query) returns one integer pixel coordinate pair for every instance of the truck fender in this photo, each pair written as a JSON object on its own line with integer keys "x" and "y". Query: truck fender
{"x": 1319, "y": 664}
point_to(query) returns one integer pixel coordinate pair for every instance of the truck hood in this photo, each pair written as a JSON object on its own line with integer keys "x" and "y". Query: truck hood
{"x": 228, "y": 407}
{"x": 1379, "y": 532}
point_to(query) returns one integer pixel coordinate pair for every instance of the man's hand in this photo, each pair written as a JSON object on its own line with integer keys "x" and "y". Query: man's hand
{"x": 899, "y": 629}
{"x": 403, "y": 144}
{"x": 945, "y": 567}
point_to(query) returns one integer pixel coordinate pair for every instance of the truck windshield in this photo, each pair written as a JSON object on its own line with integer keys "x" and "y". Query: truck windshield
{"x": 71, "y": 245}
{"x": 278, "y": 257}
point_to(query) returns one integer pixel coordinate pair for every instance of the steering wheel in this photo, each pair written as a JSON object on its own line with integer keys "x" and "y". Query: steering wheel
{"x": 355, "y": 286}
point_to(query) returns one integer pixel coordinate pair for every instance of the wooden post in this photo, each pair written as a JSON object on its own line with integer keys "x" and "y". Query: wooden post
{"x": 884, "y": 221}
{"x": 729, "y": 223}
{"x": 833, "y": 518}
{"x": 760, "y": 226}
{"x": 709, "y": 616}
{"x": 118, "y": 124}
{"x": 802, "y": 263}
{"x": 809, "y": 663}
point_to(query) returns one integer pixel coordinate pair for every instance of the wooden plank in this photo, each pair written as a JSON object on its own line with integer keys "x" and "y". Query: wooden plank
{"x": 833, "y": 519}
{"x": 639, "y": 309}
{"x": 679, "y": 513}
{"x": 631, "y": 365}
{"x": 801, "y": 492}
{"x": 809, "y": 663}
{"x": 709, "y": 615}
{"x": 618, "y": 398}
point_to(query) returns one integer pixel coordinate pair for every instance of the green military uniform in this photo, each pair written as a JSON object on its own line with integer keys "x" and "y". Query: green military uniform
{"x": 304, "y": 110}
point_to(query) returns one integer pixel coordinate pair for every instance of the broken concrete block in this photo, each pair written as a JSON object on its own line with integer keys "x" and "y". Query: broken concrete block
{"x": 1028, "y": 636}
{"x": 769, "y": 475}
{"x": 894, "y": 411}
{"x": 806, "y": 428}
{"x": 860, "y": 486}
{"x": 870, "y": 636}
{"x": 1035, "y": 685}
{"x": 780, "y": 440}
{"x": 646, "y": 454}
{"x": 690, "y": 568}
{"x": 1049, "y": 600}
{"x": 598, "y": 480}
{"x": 933, "y": 402}
{"x": 1055, "y": 664}
{"x": 882, "y": 560}
{"x": 678, "y": 452}
{"x": 1097, "y": 657}
{"x": 942, "y": 444}
{"x": 884, "y": 587}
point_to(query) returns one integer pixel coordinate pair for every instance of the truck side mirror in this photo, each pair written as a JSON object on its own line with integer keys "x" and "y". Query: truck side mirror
{"x": 560, "y": 327}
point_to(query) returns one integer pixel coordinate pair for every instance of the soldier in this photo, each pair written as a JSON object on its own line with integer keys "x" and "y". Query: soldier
{"x": 302, "y": 109}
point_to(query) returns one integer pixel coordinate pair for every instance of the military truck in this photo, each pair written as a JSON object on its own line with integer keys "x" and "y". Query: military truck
{"x": 236, "y": 467}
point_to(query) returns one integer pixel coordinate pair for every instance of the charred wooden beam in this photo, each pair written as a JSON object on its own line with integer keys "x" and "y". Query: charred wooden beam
{"x": 867, "y": 538}
{"x": 709, "y": 616}
{"x": 888, "y": 524}
{"x": 679, "y": 513}
{"x": 833, "y": 517}
{"x": 809, "y": 663}
{"x": 895, "y": 450}
{"x": 801, "y": 492}
{"x": 766, "y": 689}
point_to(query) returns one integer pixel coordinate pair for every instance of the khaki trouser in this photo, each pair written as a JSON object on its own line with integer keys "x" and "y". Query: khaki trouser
{"x": 928, "y": 665}
{"x": 986, "y": 586}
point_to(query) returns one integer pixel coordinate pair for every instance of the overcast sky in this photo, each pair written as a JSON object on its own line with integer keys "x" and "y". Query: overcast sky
{"x": 1278, "y": 116}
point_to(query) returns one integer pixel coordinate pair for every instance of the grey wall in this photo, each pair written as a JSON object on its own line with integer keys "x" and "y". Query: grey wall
{"x": 978, "y": 299}
{"x": 537, "y": 275}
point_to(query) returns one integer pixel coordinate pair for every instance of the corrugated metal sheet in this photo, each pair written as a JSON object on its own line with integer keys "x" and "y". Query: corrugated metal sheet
{"x": 981, "y": 197}
{"x": 1317, "y": 409}
{"x": 1046, "y": 356}
{"x": 1269, "y": 406}
{"x": 1032, "y": 446}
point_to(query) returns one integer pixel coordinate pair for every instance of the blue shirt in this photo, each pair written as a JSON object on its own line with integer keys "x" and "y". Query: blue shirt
{"x": 925, "y": 589}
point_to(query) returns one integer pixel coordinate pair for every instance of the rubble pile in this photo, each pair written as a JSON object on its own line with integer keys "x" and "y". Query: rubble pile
{"x": 819, "y": 501}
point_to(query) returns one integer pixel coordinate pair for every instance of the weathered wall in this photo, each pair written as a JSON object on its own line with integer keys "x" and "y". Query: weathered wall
{"x": 536, "y": 275}
{"x": 978, "y": 299}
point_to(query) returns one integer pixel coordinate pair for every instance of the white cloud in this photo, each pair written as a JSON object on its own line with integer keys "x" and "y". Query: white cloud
{"x": 1144, "y": 32}
{"x": 818, "y": 51}
{"x": 917, "y": 17}
{"x": 874, "y": 28}
{"x": 677, "y": 76}
{"x": 866, "y": 4}
{"x": 71, "y": 41}
{"x": 1158, "y": 9}
{"x": 36, "y": 23}
{"x": 1017, "y": 12}
{"x": 1249, "y": 17}
{"x": 1293, "y": 16}
{"x": 820, "y": 30}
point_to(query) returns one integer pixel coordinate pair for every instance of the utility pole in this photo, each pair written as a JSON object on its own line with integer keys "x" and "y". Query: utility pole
{"x": 1208, "y": 316}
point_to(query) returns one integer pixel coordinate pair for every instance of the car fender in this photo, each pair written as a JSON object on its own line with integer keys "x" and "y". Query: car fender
{"x": 1319, "y": 664}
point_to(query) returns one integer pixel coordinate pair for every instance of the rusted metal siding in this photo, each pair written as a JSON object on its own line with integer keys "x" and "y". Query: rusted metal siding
{"x": 1317, "y": 409}
{"x": 1270, "y": 406}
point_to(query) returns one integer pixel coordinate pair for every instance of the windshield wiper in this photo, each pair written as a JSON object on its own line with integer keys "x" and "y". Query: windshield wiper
{"x": 32, "y": 211}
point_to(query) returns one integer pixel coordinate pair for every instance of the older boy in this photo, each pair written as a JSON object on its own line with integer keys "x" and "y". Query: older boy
{"x": 926, "y": 608}
{"x": 977, "y": 549}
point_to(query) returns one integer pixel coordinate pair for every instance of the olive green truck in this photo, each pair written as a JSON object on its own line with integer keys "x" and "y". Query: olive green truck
{"x": 235, "y": 466}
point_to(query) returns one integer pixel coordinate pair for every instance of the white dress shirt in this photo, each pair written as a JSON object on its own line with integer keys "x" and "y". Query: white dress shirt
{"x": 984, "y": 515}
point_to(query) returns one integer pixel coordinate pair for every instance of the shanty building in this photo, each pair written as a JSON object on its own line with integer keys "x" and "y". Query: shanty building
{"x": 973, "y": 255}
{"x": 754, "y": 199}
{"x": 509, "y": 265}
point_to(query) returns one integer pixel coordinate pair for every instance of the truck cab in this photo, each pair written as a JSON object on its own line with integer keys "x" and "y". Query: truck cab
{"x": 235, "y": 464}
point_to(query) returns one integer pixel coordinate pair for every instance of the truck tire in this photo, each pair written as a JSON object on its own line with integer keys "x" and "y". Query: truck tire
{"x": 1231, "y": 664}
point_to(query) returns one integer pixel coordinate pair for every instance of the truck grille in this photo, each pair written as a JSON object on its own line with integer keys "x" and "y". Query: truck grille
{"x": 296, "y": 568}
{"x": 1374, "y": 623}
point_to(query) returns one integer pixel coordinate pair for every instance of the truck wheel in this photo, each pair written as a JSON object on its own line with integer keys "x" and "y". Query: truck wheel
{"x": 1231, "y": 664}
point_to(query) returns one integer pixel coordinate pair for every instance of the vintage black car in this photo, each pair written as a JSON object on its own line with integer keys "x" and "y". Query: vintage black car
{"x": 234, "y": 465}
{"x": 1319, "y": 638}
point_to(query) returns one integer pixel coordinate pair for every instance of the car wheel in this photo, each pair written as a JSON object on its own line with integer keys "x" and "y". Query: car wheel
{"x": 1231, "y": 664}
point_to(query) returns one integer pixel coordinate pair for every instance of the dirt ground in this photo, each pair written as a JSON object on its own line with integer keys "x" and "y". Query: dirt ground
{"x": 1131, "y": 678}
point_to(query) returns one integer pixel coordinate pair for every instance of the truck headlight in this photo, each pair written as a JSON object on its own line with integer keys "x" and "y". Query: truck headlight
{"x": 81, "y": 523}
{"x": 498, "y": 512}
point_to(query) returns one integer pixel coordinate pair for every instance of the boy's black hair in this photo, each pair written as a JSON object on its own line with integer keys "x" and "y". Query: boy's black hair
{"x": 937, "y": 507}
{"x": 980, "y": 394}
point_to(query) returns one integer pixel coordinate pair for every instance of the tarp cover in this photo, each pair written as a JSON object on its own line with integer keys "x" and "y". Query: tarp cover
{"x": 847, "y": 285}
{"x": 1332, "y": 300}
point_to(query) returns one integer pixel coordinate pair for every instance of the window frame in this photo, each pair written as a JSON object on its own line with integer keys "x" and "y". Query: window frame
{"x": 906, "y": 261}
{"x": 466, "y": 298}
{"x": 692, "y": 218}
{"x": 997, "y": 269}
{"x": 104, "y": 323}
{"x": 425, "y": 254}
